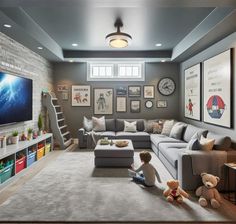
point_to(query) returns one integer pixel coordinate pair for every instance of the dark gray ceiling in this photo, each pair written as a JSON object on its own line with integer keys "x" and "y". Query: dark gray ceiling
{"x": 56, "y": 24}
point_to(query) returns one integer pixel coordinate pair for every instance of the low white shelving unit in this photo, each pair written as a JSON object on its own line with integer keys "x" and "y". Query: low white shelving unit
{"x": 22, "y": 155}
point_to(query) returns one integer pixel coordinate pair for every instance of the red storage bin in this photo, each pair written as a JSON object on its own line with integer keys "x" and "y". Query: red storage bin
{"x": 20, "y": 164}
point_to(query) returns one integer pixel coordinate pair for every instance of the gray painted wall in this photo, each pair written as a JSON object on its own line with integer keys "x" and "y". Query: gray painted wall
{"x": 223, "y": 45}
{"x": 17, "y": 59}
{"x": 75, "y": 73}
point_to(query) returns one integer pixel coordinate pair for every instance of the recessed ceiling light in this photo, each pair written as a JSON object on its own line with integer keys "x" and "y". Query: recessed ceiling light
{"x": 40, "y": 48}
{"x": 163, "y": 60}
{"x": 74, "y": 44}
{"x": 158, "y": 45}
{"x": 7, "y": 25}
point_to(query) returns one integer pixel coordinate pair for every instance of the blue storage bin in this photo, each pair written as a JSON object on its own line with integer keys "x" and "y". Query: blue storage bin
{"x": 6, "y": 173}
{"x": 31, "y": 158}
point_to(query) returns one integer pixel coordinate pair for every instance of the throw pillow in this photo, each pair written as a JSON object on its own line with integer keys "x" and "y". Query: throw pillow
{"x": 157, "y": 127}
{"x": 99, "y": 124}
{"x": 177, "y": 130}
{"x": 206, "y": 144}
{"x": 193, "y": 144}
{"x": 167, "y": 126}
{"x": 130, "y": 126}
{"x": 87, "y": 124}
{"x": 149, "y": 125}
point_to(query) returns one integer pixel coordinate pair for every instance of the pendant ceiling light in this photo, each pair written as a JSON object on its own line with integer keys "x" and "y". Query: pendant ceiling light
{"x": 118, "y": 39}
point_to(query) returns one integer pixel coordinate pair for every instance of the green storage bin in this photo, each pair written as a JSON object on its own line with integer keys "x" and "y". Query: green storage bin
{"x": 6, "y": 173}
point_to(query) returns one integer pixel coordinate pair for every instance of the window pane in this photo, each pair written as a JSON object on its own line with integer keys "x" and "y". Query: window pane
{"x": 135, "y": 71}
{"x": 108, "y": 71}
{"x": 102, "y": 72}
{"x": 121, "y": 72}
{"x": 94, "y": 72}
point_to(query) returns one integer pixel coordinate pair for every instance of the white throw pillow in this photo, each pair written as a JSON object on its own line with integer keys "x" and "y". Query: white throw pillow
{"x": 99, "y": 124}
{"x": 168, "y": 125}
{"x": 87, "y": 124}
{"x": 206, "y": 144}
{"x": 130, "y": 126}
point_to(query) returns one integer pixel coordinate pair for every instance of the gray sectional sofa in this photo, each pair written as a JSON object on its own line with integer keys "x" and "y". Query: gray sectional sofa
{"x": 183, "y": 164}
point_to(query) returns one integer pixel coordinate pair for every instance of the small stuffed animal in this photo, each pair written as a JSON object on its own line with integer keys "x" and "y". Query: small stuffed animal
{"x": 208, "y": 192}
{"x": 174, "y": 192}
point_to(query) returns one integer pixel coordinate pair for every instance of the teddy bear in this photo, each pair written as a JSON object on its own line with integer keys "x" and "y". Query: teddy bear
{"x": 174, "y": 192}
{"x": 208, "y": 192}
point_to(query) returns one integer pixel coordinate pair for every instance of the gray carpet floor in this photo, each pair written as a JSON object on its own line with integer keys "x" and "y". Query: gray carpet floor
{"x": 71, "y": 189}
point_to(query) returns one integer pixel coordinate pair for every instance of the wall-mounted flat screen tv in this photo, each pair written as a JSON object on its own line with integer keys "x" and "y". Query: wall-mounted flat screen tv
{"x": 15, "y": 98}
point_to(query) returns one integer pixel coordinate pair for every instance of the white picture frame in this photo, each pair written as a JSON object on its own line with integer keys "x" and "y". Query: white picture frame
{"x": 192, "y": 94}
{"x": 149, "y": 92}
{"x": 103, "y": 100}
{"x": 218, "y": 90}
{"x": 121, "y": 104}
{"x": 81, "y": 95}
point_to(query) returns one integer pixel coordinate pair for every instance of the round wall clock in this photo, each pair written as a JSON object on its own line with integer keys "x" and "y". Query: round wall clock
{"x": 148, "y": 104}
{"x": 166, "y": 86}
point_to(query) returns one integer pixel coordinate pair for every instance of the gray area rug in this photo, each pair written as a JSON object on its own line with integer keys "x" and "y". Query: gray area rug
{"x": 71, "y": 189}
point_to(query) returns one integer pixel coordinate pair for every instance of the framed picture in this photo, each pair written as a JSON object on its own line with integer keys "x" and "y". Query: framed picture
{"x": 65, "y": 95}
{"x": 81, "y": 95}
{"x": 218, "y": 90}
{"x": 135, "y": 106}
{"x": 149, "y": 92}
{"x": 121, "y": 103}
{"x": 61, "y": 88}
{"x": 134, "y": 91}
{"x": 162, "y": 103}
{"x": 192, "y": 95}
{"x": 103, "y": 101}
{"x": 148, "y": 104}
{"x": 121, "y": 91}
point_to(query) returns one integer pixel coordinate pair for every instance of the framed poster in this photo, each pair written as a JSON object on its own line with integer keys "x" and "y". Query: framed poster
{"x": 80, "y": 95}
{"x": 135, "y": 106}
{"x": 61, "y": 88}
{"x": 192, "y": 94}
{"x": 121, "y": 91}
{"x": 103, "y": 101}
{"x": 134, "y": 91}
{"x": 149, "y": 92}
{"x": 161, "y": 104}
{"x": 121, "y": 104}
{"x": 65, "y": 95}
{"x": 217, "y": 89}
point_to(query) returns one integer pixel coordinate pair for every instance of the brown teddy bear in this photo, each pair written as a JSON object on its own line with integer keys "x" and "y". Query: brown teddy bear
{"x": 174, "y": 192}
{"x": 208, "y": 192}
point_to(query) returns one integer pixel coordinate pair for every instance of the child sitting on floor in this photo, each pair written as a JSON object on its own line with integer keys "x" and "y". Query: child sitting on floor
{"x": 147, "y": 178}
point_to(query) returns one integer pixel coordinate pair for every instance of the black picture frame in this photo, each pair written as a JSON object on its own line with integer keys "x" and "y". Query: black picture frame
{"x": 131, "y": 93}
{"x": 158, "y": 105}
{"x": 144, "y": 92}
{"x": 138, "y": 110}
{"x": 121, "y": 91}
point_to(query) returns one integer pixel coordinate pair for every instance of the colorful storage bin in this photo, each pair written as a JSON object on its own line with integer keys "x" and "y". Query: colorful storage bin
{"x": 6, "y": 173}
{"x": 20, "y": 164}
{"x": 40, "y": 153}
{"x": 47, "y": 148}
{"x": 31, "y": 158}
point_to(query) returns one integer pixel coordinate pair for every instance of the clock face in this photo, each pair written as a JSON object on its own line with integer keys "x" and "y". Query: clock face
{"x": 149, "y": 104}
{"x": 166, "y": 86}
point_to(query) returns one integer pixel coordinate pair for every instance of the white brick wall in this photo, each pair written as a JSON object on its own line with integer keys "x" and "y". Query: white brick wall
{"x": 17, "y": 59}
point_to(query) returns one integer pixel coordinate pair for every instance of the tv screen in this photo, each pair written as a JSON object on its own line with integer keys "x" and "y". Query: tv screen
{"x": 15, "y": 98}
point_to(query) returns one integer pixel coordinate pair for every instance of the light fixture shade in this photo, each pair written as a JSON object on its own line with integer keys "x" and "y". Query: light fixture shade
{"x": 118, "y": 39}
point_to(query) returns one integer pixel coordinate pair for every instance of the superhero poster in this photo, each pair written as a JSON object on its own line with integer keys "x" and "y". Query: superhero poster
{"x": 217, "y": 90}
{"x": 103, "y": 101}
{"x": 192, "y": 82}
{"x": 81, "y": 95}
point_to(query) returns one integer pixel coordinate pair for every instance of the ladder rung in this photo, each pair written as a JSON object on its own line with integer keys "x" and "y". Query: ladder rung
{"x": 64, "y": 126}
{"x": 57, "y": 106}
{"x": 66, "y": 133}
{"x": 59, "y": 112}
{"x": 59, "y": 120}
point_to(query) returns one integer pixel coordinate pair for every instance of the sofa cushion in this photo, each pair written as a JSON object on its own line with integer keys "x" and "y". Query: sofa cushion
{"x": 130, "y": 126}
{"x": 110, "y": 124}
{"x": 221, "y": 142}
{"x": 120, "y": 124}
{"x": 99, "y": 124}
{"x": 135, "y": 136}
{"x": 191, "y": 130}
{"x": 177, "y": 130}
{"x": 156, "y": 139}
{"x": 178, "y": 145}
{"x": 108, "y": 134}
{"x": 171, "y": 154}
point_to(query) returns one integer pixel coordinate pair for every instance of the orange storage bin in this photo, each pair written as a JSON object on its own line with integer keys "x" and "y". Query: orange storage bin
{"x": 40, "y": 153}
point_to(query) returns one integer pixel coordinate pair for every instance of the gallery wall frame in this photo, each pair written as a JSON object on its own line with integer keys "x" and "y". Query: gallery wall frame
{"x": 148, "y": 91}
{"x": 81, "y": 95}
{"x": 193, "y": 92}
{"x": 134, "y": 91}
{"x": 103, "y": 100}
{"x": 135, "y": 106}
{"x": 218, "y": 89}
{"x": 162, "y": 104}
{"x": 121, "y": 91}
{"x": 121, "y": 104}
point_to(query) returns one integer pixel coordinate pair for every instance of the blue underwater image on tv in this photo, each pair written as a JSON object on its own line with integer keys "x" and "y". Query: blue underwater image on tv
{"x": 15, "y": 98}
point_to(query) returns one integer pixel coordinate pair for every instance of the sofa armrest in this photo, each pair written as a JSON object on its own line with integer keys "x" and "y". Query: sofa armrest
{"x": 81, "y": 133}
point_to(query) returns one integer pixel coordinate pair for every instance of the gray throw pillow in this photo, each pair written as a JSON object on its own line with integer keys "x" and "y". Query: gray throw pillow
{"x": 177, "y": 130}
{"x": 130, "y": 126}
{"x": 193, "y": 144}
{"x": 149, "y": 125}
{"x": 87, "y": 124}
{"x": 99, "y": 124}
